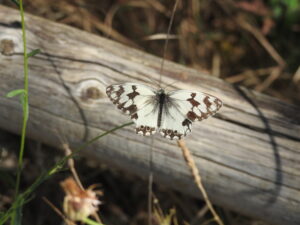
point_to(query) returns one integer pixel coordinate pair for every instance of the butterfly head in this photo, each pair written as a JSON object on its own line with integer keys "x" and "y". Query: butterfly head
{"x": 160, "y": 91}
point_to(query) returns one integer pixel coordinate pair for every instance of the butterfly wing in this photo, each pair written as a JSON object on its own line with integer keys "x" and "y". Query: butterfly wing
{"x": 184, "y": 107}
{"x": 139, "y": 102}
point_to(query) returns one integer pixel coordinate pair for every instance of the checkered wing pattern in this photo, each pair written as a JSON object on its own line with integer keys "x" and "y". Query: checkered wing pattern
{"x": 171, "y": 113}
{"x": 137, "y": 101}
{"x": 184, "y": 107}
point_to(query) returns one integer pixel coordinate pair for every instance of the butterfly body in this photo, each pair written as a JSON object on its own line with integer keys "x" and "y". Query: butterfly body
{"x": 170, "y": 113}
{"x": 161, "y": 99}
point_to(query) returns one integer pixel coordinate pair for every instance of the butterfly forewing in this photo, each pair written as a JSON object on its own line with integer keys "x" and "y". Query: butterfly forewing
{"x": 195, "y": 105}
{"x": 138, "y": 101}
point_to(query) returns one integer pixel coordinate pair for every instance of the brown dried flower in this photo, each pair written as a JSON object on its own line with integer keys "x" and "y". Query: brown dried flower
{"x": 79, "y": 203}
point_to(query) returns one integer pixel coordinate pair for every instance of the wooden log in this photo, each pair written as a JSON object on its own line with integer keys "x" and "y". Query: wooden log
{"x": 248, "y": 154}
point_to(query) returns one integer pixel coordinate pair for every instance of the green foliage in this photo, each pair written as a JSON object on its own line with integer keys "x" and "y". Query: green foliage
{"x": 33, "y": 53}
{"x": 16, "y": 2}
{"x": 17, "y": 219}
{"x": 23, "y": 100}
{"x": 16, "y": 92}
{"x": 289, "y": 10}
{"x": 91, "y": 222}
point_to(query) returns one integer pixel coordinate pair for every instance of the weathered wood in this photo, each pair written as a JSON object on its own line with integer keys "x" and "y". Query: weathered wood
{"x": 248, "y": 154}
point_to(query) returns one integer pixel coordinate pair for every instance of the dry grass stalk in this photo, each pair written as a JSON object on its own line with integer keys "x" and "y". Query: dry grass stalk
{"x": 71, "y": 165}
{"x": 197, "y": 178}
{"x": 262, "y": 40}
{"x": 271, "y": 78}
{"x": 247, "y": 73}
{"x": 296, "y": 77}
{"x": 67, "y": 220}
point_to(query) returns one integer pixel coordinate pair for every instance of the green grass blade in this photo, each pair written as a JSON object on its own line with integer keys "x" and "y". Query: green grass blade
{"x": 16, "y": 92}
{"x": 91, "y": 222}
{"x": 18, "y": 214}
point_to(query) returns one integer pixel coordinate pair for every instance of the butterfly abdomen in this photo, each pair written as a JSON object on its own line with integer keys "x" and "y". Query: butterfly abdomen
{"x": 161, "y": 101}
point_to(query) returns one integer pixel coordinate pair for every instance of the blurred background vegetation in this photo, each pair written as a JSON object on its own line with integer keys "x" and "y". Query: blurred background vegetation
{"x": 254, "y": 43}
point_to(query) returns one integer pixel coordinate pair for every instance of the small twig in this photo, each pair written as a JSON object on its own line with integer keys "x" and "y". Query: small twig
{"x": 167, "y": 41}
{"x": 71, "y": 165}
{"x": 68, "y": 221}
{"x": 197, "y": 178}
{"x": 200, "y": 214}
{"x": 110, "y": 32}
{"x": 262, "y": 40}
{"x": 216, "y": 65}
{"x": 255, "y": 32}
{"x": 296, "y": 77}
{"x": 270, "y": 79}
{"x": 248, "y": 73}
{"x": 207, "y": 222}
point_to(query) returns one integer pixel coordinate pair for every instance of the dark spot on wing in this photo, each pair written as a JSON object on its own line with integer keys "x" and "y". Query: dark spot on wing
{"x": 187, "y": 123}
{"x": 145, "y": 130}
{"x": 118, "y": 90}
{"x": 171, "y": 134}
{"x": 192, "y": 116}
{"x": 132, "y": 109}
{"x": 121, "y": 106}
{"x": 133, "y": 94}
{"x": 218, "y": 102}
{"x": 134, "y": 116}
{"x": 193, "y": 101}
{"x": 207, "y": 102}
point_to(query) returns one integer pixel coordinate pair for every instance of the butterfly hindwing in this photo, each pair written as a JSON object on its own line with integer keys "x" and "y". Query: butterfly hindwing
{"x": 138, "y": 101}
{"x": 174, "y": 123}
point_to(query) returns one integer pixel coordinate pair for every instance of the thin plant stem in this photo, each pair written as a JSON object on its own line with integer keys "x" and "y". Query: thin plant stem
{"x": 150, "y": 184}
{"x": 25, "y": 102}
{"x": 167, "y": 41}
{"x": 97, "y": 137}
{"x": 197, "y": 178}
{"x": 91, "y": 222}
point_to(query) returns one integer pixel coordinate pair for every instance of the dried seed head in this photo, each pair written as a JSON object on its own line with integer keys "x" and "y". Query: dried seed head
{"x": 78, "y": 204}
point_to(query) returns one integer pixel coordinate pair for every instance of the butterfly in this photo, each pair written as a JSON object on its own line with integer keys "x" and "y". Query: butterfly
{"x": 171, "y": 113}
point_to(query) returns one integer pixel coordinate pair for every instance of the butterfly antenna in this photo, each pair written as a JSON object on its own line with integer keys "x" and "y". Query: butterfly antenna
{"x": 167, "y": 41}
{"x": 154, "y": 81}
{"x": 170, "y": 84}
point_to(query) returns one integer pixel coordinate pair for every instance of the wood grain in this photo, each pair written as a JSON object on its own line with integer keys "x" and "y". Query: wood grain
{"x": 248, "y": 154}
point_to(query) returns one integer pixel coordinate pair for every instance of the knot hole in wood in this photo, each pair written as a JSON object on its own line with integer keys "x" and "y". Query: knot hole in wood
{"x": 90, "y": 91}
{"x": 7, "y": 47}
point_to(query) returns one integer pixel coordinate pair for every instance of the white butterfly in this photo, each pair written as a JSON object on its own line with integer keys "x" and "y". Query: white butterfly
{"x": 171, "y": 113}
